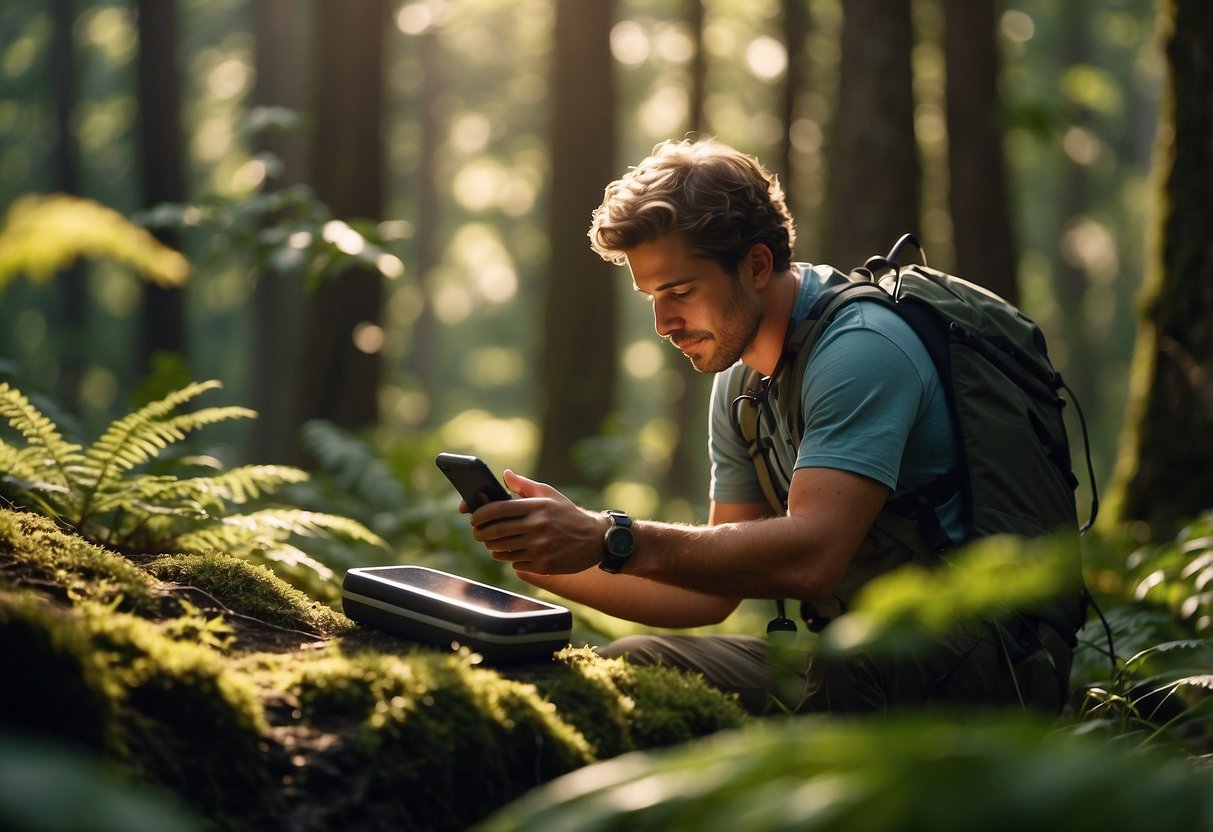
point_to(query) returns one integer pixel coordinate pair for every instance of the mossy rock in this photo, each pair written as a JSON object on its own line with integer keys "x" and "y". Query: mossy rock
{"x": 259, "y": 708}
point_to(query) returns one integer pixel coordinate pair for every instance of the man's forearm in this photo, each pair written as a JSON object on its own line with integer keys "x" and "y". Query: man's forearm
{"x": 771, "y": 558}
{"x": 635, "y": 599}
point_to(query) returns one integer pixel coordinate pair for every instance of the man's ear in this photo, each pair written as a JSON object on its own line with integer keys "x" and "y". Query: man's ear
{"x": 762, "y": 265}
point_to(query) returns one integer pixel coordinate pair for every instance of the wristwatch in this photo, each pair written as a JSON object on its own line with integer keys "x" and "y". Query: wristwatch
{"x": 619, "y": 542}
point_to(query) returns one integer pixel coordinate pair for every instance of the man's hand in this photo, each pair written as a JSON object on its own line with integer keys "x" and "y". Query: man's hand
{"x": 541, "y": 531}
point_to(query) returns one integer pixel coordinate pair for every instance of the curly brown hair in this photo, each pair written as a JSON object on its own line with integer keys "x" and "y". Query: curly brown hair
{"x": 723, "y": 201}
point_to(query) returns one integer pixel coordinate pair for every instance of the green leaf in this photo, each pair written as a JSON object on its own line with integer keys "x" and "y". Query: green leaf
{"x": 44, "y": 234}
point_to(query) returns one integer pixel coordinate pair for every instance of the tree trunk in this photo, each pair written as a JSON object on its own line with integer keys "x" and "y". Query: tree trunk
{"x": 278, "y": 300}
{"x": 429, "y": 210}
{"x": 162, "y": 162}
{"x": 1073, "y": 281}
{"x": 873, "y": 192}
{"x": 977, "y": 179}
{"x": 796, "y": 26}
{"x": 688, "y": 408}
{"x": 341, "y": 380}
{"x": 1165, "y": 474}
{"x": 581, "y": 314}
{"x": 70, "y": 283}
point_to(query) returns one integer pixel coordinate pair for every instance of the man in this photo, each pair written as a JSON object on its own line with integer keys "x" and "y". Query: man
{"x": 708, "y": 238}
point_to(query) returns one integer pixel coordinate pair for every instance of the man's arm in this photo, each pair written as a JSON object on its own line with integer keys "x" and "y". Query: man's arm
{"x": 644, "y": 601}
{"x": 801, "y": 555}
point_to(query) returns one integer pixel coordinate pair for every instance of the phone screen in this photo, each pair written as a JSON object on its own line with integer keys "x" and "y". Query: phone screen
{"x": 459, "y": 589}
{"x": 472, "y": 479}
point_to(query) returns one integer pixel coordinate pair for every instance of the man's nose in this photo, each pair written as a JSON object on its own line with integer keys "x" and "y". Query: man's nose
{"x": 665, "y": 321}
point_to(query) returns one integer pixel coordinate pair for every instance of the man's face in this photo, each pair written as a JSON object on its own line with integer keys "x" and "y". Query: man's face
{"x": 707, "y": 313}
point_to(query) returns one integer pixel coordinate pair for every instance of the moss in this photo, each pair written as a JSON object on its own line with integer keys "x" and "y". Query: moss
{"x": 620, "y": 707}
{"x": 53, "y": 684}
{"x": 44, "y": 552}
{"x": 166, "y": 711}
{"x": 252, "y": 590}
{"x": 190, "y": 722}
{"x": 435, "y": 740}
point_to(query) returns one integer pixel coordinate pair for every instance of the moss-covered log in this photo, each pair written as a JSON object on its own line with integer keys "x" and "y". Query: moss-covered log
{"x": 258, "y": 707}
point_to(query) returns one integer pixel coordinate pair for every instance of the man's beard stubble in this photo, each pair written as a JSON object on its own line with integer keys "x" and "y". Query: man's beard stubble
{"x": 737, "y": 333}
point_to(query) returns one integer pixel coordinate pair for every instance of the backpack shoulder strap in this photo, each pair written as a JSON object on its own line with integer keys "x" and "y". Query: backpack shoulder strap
{"x": 746, "y": 383}
{"x": 806, "y": 335}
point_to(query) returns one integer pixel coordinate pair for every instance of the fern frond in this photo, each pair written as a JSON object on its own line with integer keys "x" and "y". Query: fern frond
{"x": 293, "y": 556}
{"x": 354, "y": 464}
{"x": 266, "y": 534}
{"x": 238, "y": 486}
{"x": 188, "y": 422}
{"x": 43, "y": 234}
{"x": 140, "y": 436}
{"x": 273, "y": 525}
{"x": 147, "y": 494}
{"x": 48, "y": 458}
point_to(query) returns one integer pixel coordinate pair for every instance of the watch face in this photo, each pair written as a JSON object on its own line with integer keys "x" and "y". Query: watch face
{"x": 620, "y": 541}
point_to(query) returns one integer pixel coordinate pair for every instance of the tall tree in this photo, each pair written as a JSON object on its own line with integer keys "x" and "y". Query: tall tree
{"x": 873, "y": 191}
{"x": 796, "y": 28}
{"x": 581, "y": 310}
{"x": 341, "y": 379}
{"x": 977, "y": 177}
{"x": 688, "y": 408}
{"x": 278, "y": 301}
{"x": 426, "y": 254}
{"x": 1165, "y": 474}
{"x": 1073, "y": 281}
{"x": 162, "y": 161}
{"x": 65, "y": 161}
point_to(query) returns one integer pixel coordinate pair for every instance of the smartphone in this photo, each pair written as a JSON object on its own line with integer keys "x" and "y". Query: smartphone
{"x": 444, "y": 610}
{"x": 472, "y": 479}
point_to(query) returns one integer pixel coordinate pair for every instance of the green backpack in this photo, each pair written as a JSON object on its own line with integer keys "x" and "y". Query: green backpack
{"x": 1004, "y": 395}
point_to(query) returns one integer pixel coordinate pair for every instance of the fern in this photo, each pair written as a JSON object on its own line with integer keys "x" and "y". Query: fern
{"x": 104, "y": 493}
{"x": 141, "y": 436}
{"x": 269, "y": 531}
{"x": 43, "y": 234}
{"x": 49, "y": 462}
{"x": 355, "y": 467}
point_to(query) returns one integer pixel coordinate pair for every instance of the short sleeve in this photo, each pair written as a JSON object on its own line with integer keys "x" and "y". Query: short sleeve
{"x": 862, "y": 393}
{"x": 733, "y": 479}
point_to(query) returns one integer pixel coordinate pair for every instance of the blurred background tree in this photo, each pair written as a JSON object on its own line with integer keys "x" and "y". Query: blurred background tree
{"x": 1165, "y": 473}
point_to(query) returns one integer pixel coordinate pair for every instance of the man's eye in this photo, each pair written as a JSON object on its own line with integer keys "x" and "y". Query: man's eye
{"x": 681, "y": 294}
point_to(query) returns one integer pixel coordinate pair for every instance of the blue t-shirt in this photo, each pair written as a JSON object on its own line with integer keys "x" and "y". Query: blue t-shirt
{"x": 872, "y": 404}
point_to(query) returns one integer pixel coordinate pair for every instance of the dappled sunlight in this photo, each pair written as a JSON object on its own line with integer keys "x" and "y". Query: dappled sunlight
{"x": 656, "y": 441}
{"x": 494, "y": 366}
{"x": 102, "y": 122}
{"x": 368, "y": 337}
{"x": 766, "y": 57}
{"x": 636, "y": 498}
{"x": 482, "y": 434}
{"x": 643, "y": 359}
{"x": 485, "y": 184}
{"x": 471, "y": 132}
{"x": 664, "y": 111}
{"x": 212, "y": 138}
{"x": 403, "y": 408}
{"x": 346, "y": 239}
{"x": 481, "y": 261}
{"x": 229, "y": 78}
{"x": 450, "y": 298}
{"x": 629, "y": 43}
{"x": 111, "y": 31}
{"x": 1088, "y": 244}
{"x": 1092, "y": 87}
{"x": 98, "y": 388}
{"x": 115, "y": 291}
